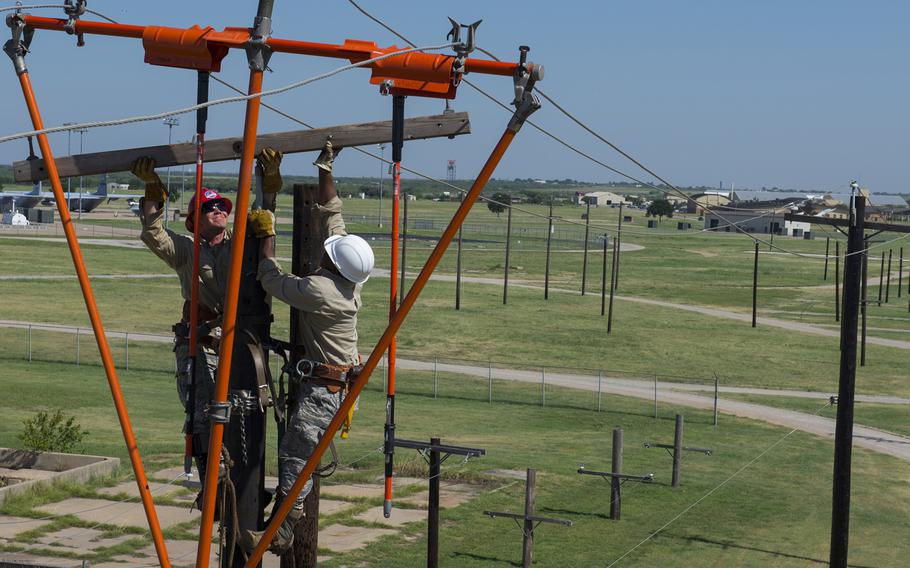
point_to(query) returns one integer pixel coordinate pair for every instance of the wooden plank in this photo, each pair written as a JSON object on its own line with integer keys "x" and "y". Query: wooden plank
{"x": 846, "y": 223}
{"x": 364, "y": 134}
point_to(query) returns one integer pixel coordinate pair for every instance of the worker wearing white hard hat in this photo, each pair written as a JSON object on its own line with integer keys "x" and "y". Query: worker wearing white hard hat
{"x": 328, "y": 301}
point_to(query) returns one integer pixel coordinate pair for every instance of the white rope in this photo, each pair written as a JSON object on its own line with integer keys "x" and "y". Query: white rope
{"x": 44, "y": 6}
{"x": 186, "y": 110}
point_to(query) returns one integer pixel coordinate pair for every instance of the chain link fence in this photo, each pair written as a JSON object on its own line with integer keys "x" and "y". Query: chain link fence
{"x": 419, "y": 374}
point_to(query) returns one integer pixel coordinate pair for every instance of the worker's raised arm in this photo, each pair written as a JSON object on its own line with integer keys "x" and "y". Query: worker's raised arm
{"x": 328, "y": 204}
{"x": 173, "y": 249}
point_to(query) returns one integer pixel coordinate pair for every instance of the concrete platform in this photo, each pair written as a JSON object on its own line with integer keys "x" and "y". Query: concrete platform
{"x": 332, "y": 506}
{"x": 114, "y": 513}
{"x": 353, "y": 490}
{"x": 43, "y": 467}
{"x": 12, "y": 526}
{"x": 24, "y": 559}
{"x": 339, "y": 538}
{"x": 130, "y": 488}
{"x": 399, "y": 516}
{"x": 179, "y": 552}
{"x": 83, "y": 538}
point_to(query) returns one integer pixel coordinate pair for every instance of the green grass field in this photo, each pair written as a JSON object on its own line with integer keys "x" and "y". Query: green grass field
{"x": 774, "y": 513}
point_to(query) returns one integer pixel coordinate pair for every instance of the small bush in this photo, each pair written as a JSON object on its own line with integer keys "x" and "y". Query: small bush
{"x": 55, "y": 432}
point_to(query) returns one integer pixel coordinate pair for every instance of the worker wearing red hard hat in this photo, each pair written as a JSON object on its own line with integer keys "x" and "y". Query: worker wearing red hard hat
{"x": 176, "y": 250}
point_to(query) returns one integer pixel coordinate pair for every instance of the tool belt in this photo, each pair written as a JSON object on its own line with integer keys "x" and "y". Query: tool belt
{"x": 332, "y": 377}
{"x": 182, "y": 330}
{"x": 207, "y": 320}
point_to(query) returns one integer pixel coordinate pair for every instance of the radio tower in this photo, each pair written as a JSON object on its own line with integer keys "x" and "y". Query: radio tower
{"x": 450, "y": 172}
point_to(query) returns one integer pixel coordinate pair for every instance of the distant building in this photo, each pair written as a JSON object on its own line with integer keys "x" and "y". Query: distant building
{"x": 700, "y": 202}
{"x": 759, "y": 222}
{"x": 599, "y": 198}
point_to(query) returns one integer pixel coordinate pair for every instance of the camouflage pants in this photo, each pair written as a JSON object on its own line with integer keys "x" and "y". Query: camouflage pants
{"x": 206, "y": 365}
{"x": 307, "y": 421}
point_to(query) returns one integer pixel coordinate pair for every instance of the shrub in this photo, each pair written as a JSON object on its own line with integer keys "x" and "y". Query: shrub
{"x": 56, "y": 432}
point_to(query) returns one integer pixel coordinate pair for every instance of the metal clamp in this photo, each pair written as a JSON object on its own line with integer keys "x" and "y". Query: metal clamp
{"x": 462, "y": 48}
{"x": 258, "y": 51}
{"x": 73, "y": 12}
{"x": 17, "y": 46}
{"x": 219, "y": 412}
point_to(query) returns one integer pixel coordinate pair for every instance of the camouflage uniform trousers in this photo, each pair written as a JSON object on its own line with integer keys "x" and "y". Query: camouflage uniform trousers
{"x": 206, "y": 367}
{"x": 309, "y": 417}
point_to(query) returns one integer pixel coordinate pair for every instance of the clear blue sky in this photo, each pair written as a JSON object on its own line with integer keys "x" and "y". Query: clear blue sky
{"x": 805, "y": 94}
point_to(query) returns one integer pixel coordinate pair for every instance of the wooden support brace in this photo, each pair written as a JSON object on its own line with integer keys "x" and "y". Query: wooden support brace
{"x": 364, "y": 134}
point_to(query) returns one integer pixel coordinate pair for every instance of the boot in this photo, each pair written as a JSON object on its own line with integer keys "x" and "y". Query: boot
{"x": 282, "y": 540}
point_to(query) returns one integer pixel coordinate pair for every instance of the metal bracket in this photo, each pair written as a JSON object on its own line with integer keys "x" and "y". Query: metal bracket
{"x": 73, "y": 12}
{"x": 17, "y": 46}
{"x": 220, "y": 412}
{"x": 526, "y": 102}
{"x": 258, "y": 51}
{"x": 462, "y": 48}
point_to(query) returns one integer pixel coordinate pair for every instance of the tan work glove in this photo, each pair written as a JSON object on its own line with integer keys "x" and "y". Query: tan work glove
{"x": 327, "y": 157}
{"x": 268, "y": 164}
{"x": 144, "y": 169}
{"x": 262, "y": 223}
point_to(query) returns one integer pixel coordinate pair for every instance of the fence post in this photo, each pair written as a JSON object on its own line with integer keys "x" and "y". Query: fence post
{"x": 435, "y": 376}
{"x": 29, "y": 343}
{"x": 490, "y": 377}
{"x": 600, "y": 376}
{"x": 127, "y": 342}
{"x": 655, "y": 397}
{"x": 677, "y": 449}
{"x": 615, "y": 481}
{"x": 543, "y": 387}
{"x": 77, "y": 344}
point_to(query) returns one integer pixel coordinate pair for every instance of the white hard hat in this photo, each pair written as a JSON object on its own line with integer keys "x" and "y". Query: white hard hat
{"x": 351, "y": 255}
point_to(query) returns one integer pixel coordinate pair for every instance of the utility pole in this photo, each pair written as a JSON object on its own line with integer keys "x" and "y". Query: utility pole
{"x": 170, "y": 122}
{"x": 616, "y": 477}
{"x": 435, "y": 453}
{"x": 837, "y": 298}
{"x": 81, "y": 132}
{"x": 505, "y": 278}
{"x": 69, "y": 152}
{"x": 676, "y": 449}
{"x": 546, "y": 274}
{"x": 755, "y": 287}
{"x": 584, "y": 262}
{"x": 458, "y": 273}
{"x": 528, "y": 522}
{"x": 827, "y": 248}
{"x": 618, "y": 243}
{"x": 843, "y": 435}
{"x": 603, "y": 278}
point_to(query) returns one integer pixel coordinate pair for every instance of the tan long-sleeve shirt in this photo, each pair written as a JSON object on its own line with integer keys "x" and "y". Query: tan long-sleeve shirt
{"x": 328, "y": 303}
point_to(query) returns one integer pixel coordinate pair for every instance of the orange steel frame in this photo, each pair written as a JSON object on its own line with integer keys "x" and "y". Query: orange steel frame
{"x": 202, "y": 49}
{"x": 98, "y": 328}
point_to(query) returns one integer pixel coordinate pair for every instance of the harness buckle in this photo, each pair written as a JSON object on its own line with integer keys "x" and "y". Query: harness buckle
{"x": 220, "y": 412}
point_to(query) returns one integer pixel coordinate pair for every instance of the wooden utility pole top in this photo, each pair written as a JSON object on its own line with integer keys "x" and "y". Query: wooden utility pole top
{"x": 362, "y": 134}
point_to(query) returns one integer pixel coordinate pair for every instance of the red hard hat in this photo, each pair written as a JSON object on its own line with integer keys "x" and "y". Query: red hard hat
{"x": 207, "y": 195}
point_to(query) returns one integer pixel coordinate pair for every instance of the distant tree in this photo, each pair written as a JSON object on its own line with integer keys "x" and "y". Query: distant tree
{"x": 659, "y": 208}
{"x": 498, "y": 205}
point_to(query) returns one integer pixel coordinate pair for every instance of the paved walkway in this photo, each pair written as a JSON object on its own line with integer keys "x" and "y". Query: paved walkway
{"x": 674, "y": 393}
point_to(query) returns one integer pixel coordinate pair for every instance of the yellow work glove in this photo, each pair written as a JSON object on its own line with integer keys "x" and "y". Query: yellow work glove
{"x": 269, "y": 162}
{"x": 262, "y": 223}
{"x": 144, "y": 169}
{"x": 327, "y": 157}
